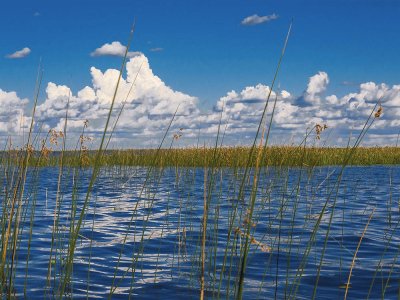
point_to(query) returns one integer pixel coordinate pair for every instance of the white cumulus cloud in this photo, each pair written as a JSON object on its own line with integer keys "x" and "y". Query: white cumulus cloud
{"x": 256, "y": 19}
{"x": 113, "y": 49}
{"x": 316, "y": 86}
{"x": 149, "y": 103}
{"x": 20, "y": 53}
{"x": 11, "y": 113}
{"x": 157, "y": 49}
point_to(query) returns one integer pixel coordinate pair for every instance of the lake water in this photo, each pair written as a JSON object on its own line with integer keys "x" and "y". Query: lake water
{"x": 142, "y": 238}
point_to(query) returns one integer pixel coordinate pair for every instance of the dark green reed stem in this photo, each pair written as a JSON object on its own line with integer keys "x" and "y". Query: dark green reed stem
{"x": 385, "y": 249}
{"x": 394, "y": 264}
{"x": 355, "y": 253}
{"x": 203, "y": 243}
{"x": 333, "y": 191}
{"x": 57, "y": 203}
{"x": 242, "y": 268}
{"x": 75, "y": 233}
{"x": 156, "y": 160}
{"x": 367, "y": 125}
{"x": 17, "y": 198}
{"x": 32, "y": 213}
{"x": 123, "y": 106}
{"x": 90, "y": 249}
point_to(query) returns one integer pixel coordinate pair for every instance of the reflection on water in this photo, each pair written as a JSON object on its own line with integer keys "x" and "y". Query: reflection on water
{"x": 141, "y": 237}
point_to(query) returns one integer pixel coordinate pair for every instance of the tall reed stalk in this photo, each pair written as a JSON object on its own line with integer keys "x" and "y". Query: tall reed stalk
{"x": 76, "y": 229}
{"x": 255, "y": 181}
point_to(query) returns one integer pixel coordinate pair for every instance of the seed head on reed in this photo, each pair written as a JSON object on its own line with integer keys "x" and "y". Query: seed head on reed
{"x": 379, "y": 111}
{"x": 45, "y": 152}
{"x": 247, "y": 221}
{"x": 84, "y": 138}
{"x": 30, "y": 149}
{"x": 55, "y": 135}
{"x": 253, "y": 241}
{"x": 178, "y": 134}
{"x": 318, "y": 130}
{"x": 265, "y": 248}
{"x": 84, "y": 155}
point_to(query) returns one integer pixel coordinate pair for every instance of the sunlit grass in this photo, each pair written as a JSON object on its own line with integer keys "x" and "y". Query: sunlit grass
{"x": 227, "y": 157}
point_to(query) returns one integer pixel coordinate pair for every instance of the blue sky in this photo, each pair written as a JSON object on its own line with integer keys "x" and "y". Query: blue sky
{"x": 204, "y": 49}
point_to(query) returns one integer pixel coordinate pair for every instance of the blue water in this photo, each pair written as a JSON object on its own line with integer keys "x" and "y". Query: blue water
{"x": 142, "y": 238}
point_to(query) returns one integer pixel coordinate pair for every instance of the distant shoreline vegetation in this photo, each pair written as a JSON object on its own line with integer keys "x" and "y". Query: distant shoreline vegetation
{"x": 225, "y": 157}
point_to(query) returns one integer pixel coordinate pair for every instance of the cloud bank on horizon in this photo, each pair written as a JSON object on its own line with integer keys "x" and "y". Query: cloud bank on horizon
{"x": 149, "y": 104}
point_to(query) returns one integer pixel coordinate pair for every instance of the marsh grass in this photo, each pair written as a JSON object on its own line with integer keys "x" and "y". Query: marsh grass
{"x": 290, "y": 156}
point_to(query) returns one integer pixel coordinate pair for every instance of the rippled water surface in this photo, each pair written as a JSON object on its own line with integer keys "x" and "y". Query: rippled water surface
{"x": 141, "y": 234}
